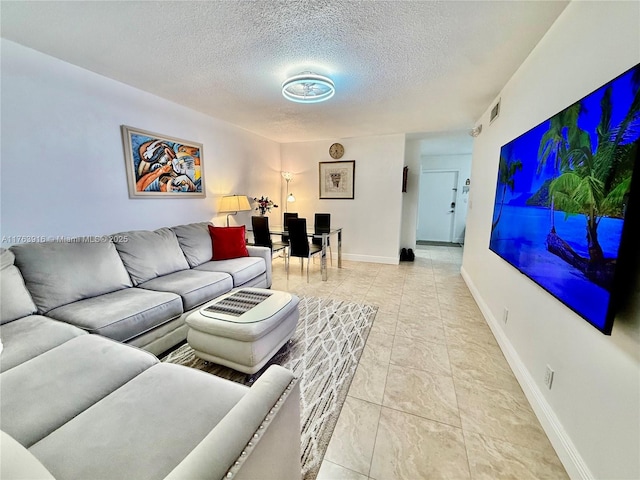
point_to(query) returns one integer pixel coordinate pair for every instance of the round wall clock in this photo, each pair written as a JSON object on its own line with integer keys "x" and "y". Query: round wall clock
{"x": 336, "y": 150}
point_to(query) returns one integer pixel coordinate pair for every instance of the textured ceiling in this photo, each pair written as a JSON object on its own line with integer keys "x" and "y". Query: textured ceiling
{"x": 398, "y": 66}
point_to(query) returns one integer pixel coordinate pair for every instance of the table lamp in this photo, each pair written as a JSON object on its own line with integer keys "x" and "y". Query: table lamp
{"x": 234, "y": 204}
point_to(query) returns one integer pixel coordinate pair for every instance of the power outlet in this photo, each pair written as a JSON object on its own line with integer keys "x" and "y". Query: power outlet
{"x": 548, "y": 377}
{"x": 505, "y": 315}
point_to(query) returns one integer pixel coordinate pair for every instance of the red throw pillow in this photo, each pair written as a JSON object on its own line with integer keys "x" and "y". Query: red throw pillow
{"x": 228, "y": 242}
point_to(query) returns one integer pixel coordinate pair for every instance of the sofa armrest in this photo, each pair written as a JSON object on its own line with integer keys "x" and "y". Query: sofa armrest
{"x": 258, "y": 438}
{"x": 18, "y": 463}
{"x": 264, "y": 252}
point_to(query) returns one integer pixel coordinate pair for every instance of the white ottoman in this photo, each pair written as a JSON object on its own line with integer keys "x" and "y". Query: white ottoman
{"x": 243, "y": 329}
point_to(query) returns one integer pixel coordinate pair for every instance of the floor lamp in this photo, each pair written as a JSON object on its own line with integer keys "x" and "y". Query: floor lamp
{"x": 290, "y": 198}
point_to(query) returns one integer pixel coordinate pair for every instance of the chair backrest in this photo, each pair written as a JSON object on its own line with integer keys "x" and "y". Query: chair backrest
{"x": 261, "y": 235}
{"x": 298, "y": 242}
{"x": 285, "y": 226}
{"x": 321, "y": 224}
{"x": 286, "y": 218}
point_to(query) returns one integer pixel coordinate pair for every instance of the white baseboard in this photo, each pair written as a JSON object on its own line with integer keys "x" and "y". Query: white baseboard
{"x": 569, "y": 456}
{"x": 371, "y": 259}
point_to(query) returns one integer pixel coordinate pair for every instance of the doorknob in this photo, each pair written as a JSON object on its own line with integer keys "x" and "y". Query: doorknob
{"x": 453, "y": 204}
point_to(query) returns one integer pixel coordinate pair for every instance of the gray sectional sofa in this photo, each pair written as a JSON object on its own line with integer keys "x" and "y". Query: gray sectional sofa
{"x": 136, "y": 287}
{"x": 80, "y": 400}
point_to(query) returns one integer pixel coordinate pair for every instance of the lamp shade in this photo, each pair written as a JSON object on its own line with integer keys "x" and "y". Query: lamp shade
{"x": 234, "y": 203}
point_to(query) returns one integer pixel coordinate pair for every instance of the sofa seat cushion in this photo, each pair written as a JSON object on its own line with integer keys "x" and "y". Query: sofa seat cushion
{"x": 121, "y": 315}
{"x": 195, "y": 287}
{"x": 142, "y": 430}
{"x": 257, "y": 282}
{"x": 58, "y": 273}
{"x": 148, "y": 255}
{"x": 28, "y": 337}
{"x": 41, "y": 395}
{"x": 243, "y": 269}
{"x": 195, "y": 242}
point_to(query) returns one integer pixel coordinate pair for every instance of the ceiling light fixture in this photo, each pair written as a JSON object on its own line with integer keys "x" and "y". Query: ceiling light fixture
{"x": 308, "y": 87}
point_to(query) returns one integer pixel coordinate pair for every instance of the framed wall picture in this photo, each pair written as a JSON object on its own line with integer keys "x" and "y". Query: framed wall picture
{"x": 162, "y": 166}
{"x": 405, "y": 174}
{"x": 337, "y": 179}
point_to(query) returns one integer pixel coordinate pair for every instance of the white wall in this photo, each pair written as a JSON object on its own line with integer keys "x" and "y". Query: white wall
{"x": 63, "y": 169}
{"x": 410, "y": 197}
{"x": 592, "y": 413}
{"x": 461, "y": 163}
{"x": 372, "y": 220}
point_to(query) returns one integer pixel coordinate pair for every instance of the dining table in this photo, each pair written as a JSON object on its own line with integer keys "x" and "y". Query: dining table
{"x": 279, "y": 230}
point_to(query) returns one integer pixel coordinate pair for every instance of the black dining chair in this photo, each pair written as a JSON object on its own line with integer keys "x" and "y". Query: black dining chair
{"x": 285, "y": 225}
{"x": 322, "y": 224}
{"x": 262, "y": 236}
{"x": 299, "y": 245}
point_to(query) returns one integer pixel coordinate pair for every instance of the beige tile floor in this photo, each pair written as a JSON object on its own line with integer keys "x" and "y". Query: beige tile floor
{"x": 433, "y": 396}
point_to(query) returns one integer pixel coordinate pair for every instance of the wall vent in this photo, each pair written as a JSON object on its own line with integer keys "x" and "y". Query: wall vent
{"x": 495, "y": 111}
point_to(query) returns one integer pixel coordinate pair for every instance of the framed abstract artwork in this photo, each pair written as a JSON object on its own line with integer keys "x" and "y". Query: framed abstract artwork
{"x": 162, "y": 166}
{"x": 337, "y": 179}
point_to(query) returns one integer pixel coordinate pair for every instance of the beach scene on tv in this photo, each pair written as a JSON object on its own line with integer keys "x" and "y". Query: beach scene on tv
{"x": 562, "y": 192}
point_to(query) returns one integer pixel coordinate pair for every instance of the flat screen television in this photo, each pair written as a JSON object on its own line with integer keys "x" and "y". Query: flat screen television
{"x": 564, "y": 205}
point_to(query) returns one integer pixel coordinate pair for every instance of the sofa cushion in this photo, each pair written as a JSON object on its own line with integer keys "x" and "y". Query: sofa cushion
{"x": 31, "y": 336}
{"x": 121, "y": 315}
{"x": 15, "y": 299}
{"x": 195, "y": 242}
{"x": 119, "y": 439}
{"x": 46, "y": 392}
{"x": 7, "y": 258}
{"x": 228, "y": 242}
{"x": 148, "y": 255}
{"x": 57, "y": 273}
{"x": 195, "y": 287}
{"x": 243, "y": 269}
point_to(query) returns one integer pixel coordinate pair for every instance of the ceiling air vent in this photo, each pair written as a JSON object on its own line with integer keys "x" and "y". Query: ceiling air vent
{"x": 495, "y": 111}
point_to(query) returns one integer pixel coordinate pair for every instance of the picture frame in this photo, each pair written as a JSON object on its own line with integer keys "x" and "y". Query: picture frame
{"x": 405, "y": 175}
{"x": 337, "y": 179}
{"x": 161, "y": 166}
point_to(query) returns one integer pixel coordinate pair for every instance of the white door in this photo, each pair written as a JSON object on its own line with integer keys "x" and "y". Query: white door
{"x": 436, "y": 207}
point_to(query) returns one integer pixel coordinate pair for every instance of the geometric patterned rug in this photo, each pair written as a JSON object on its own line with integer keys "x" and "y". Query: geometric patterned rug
{"x": 323, "y": 353}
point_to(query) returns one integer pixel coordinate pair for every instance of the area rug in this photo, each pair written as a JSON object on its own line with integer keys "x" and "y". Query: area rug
{"x": 324, "y": 353}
